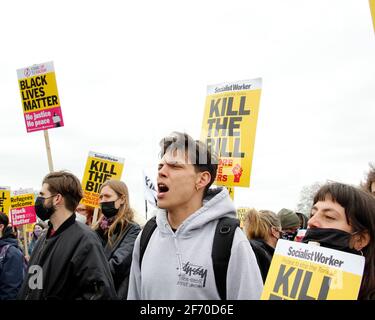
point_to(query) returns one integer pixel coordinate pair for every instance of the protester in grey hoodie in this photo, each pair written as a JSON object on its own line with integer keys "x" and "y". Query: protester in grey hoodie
{"x": 177, "y": 263}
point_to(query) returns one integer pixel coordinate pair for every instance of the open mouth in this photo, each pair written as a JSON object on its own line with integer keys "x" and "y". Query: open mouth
{"x": 162, "y": 188}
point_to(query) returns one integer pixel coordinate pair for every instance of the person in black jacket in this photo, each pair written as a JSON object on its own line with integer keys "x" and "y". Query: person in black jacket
{"x": 11, "y": 261}
{"x": 68, "y": 261}
{"x": 263, "y": 229}
{"x": 118, "y": 232}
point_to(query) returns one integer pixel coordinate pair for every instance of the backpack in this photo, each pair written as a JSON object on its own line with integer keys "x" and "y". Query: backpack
{"x": 3, "y": 252}
{"x": 221, "y": 249}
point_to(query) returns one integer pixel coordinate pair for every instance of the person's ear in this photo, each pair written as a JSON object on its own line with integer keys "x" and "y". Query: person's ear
{"x": 203, "y": 179}
{"x": 59, "y": 199}
{"x": 122, "y": 200}
{"x": 361, "y": 240}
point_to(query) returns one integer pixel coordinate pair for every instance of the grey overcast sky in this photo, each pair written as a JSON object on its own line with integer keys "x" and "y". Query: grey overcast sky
{"x": 130, "y": 72}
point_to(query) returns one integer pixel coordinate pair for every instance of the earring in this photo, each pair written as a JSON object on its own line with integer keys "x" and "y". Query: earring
{"x": 196, "y": 187}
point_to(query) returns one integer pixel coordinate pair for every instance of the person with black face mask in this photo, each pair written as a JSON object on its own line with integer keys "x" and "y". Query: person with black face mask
{"x": 118, "y": 231}
{"x": 343, "y": 218}
{"x": 68, "y": 256}
{"x": 289, "y": 223}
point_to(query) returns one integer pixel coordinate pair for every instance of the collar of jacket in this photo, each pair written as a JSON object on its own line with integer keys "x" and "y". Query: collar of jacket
{"x": 116, "y": 239}
{"x": 66, "y": 224}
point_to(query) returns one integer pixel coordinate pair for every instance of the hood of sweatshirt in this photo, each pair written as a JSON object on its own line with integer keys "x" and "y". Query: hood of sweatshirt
{"x": 8, "y": 239}
{"x": 216, "y": 204}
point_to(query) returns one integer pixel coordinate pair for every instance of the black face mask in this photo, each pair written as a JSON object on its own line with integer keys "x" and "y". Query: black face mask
{"x": 330, "y": 238}
{"x": 289, "y": 235}
{"x": 41, "y": 211}
{"x": 108, "y": 209}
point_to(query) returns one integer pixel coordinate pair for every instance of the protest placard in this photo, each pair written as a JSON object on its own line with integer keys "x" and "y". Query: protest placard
{"x": 5, "y": 200}
{"x": 229, "y": 126}
{"x": 40, "y": 100}
{"x": 302, "y": 271}
{"x": 241, "y": 215}
{"x": 22, "y": 207}
{"x": 99, "y": 168}
{"x": 231, "y": 192}
{"x": 29, "y": 227}
{"x": 372, "y": 9}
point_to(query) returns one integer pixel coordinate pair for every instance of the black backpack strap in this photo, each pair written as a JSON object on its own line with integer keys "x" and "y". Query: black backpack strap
{"x": 221, "y": 250}
{"x": 147, "y": 232}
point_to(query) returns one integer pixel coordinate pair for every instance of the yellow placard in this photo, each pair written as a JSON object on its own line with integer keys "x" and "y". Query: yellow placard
{"x": 231, "y": 192}
{"x": 39, "y": 97}
{"x": 5, "y": 200}
{"x": 29, "y": 227}
{"x": 241, "y": 215}
{"x": 39, "y": 92}
{"x": 99, "y": 168}
{"x": 372, "y": 9}
{"x": 229, "y": 127}
{"x": 307, "y": 272}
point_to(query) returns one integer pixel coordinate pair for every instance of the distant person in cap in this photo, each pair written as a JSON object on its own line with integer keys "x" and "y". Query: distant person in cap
{"x": 302, "y": 220}
{"x": 290, "y": 224}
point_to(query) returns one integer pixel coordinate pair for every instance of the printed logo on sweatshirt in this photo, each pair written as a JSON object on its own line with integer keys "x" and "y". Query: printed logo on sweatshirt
{"x": 192, "y": 276}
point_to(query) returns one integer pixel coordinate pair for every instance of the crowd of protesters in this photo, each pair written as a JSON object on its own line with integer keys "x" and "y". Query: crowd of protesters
{"x": 73, "y": 255}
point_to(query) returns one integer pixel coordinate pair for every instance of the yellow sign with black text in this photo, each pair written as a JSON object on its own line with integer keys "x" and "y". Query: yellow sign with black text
{"x": 5, "y": 200}
{"x": 39, "y": 96}
{"x": 241, "y": 215}
{"x": 300, "y": 271}
{"x": 229, "y": 127}
{"x": 99, "y": 168}
{"x": 231, "y": 192}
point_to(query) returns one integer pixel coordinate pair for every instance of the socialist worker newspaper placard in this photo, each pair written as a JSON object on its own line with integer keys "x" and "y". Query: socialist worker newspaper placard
{"x": 229, "y": 126}
{"x": 99, "y": 168}
{"x": 5, "y": 200}
{"x": 22, "y": 207}
{"x": 39, "y": 96}
{"x": 301, "y": 271}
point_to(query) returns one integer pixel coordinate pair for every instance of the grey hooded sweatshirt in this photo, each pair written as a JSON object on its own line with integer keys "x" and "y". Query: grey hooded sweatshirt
{"x": 178, "y": 265}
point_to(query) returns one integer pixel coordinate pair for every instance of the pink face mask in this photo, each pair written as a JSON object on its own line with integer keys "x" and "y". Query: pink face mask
{"x": 37, "y": 232}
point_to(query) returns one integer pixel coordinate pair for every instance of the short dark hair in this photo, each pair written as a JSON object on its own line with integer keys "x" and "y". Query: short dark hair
{"x": 4, "y": 219}
{"x": 66, "y": 184}
{"x": 198, "y": 152}
{"x": 359, "y": 208}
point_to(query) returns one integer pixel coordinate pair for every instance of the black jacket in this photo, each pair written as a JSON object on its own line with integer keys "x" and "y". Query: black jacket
{"x": 263, "y": 253}
{"x": 11, "y": 266}
{"x": 120, "y": 254}
{"x": 73, "y": 264}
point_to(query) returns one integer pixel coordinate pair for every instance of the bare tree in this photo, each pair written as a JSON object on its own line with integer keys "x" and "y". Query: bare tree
{"x": 306, "y": 197}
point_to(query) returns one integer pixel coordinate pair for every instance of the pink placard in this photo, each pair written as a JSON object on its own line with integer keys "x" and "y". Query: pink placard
{"x": 24, "y": 215}
{"x": 44, "y": 119}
